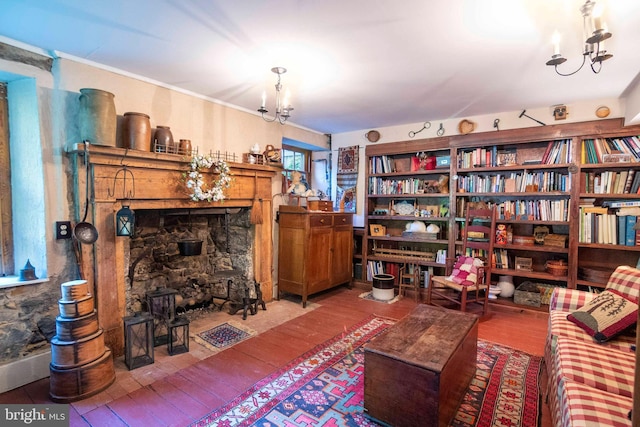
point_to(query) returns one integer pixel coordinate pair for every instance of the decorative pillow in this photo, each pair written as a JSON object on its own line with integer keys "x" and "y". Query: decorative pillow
{"x": 465, "y": 270}
{"x": 606, "y": 315}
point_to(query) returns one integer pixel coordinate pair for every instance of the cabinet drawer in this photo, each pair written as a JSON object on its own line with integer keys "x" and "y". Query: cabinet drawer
{"x": 321, "y": 220}
{"x": 345, "y": 219}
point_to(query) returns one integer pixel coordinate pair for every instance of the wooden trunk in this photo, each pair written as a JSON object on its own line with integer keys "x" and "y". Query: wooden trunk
{"x": 416, "y": 373}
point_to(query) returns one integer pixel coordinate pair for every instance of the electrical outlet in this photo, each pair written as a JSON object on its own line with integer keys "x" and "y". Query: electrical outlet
{"x": 63, "y": 230}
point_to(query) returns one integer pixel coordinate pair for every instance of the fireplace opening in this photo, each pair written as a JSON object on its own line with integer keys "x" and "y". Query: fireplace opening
{"x": 219, "y": 277}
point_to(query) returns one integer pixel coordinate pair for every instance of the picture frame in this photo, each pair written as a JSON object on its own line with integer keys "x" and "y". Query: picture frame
{"x": 377, "y": 230}
{"x": 616, "y": 158}
{"x": 507, "y": 158}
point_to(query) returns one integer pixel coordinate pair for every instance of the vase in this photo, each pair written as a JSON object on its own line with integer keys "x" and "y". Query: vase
{"x": 163, "y": 140}
{"x": 136, "y": 131}
{"x": 184, "y": 147}
{"x": 507, "y": 288}
{"x": 97, "y": 117}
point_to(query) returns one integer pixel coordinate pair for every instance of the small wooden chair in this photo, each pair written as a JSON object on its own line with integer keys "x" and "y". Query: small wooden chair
{"x": 445, "y": 288}
{"x": 409, "y": 278}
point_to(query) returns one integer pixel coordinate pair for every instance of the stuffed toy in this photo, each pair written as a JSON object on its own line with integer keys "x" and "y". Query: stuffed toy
{"x": 298, "y": 186}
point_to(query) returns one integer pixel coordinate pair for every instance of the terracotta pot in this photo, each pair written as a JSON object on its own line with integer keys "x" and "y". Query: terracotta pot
{"x": 97, "y": 117}
{"x": 136, "y": 131}
{"x": 163, "y": 140}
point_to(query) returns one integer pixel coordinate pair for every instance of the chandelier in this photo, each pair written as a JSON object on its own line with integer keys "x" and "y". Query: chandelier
{"x": 594, "y": 35}
{"x": 283, "y": 109}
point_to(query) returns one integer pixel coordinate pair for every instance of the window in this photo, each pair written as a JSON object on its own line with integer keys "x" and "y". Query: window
{"x": 295, "y": 159}
{"x": 6, "y": 233}
{"x": 23, "y": 217}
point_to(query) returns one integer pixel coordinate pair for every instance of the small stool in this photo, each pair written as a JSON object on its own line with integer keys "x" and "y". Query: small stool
{"x": 409, "y": 279}
{"x": 178, "y": 341}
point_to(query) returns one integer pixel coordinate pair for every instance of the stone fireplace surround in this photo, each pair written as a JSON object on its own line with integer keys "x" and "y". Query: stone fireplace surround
{"x": 159, "y": 188}
{"x": 220, "y": 271}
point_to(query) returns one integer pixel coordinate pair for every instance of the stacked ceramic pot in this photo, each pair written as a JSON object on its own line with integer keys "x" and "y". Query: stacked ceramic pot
{"x": 81, "y": 364}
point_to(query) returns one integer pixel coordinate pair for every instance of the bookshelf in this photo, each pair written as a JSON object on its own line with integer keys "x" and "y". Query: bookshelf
{"x": 541, "y": 179}
{"x": 408, "y": 203}
{"x": 608, "y": 205}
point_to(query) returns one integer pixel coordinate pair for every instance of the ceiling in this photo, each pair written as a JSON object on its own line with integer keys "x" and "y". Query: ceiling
{"x": 352, "y": 64}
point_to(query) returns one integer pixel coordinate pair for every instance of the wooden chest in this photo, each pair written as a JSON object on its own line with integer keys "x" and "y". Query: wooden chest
{"x": 417, "y": 372}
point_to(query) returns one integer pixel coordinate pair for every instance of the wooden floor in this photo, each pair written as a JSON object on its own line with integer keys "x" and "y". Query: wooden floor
{"x": 184, "y": 388}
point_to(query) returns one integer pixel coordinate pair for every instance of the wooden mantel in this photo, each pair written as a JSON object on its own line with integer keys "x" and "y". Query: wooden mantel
{"x": 159, "y": 184}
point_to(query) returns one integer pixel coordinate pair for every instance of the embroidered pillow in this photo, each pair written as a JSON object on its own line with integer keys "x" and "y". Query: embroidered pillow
{"x": 606, "y": 315}
{"x": 465, "y": 270}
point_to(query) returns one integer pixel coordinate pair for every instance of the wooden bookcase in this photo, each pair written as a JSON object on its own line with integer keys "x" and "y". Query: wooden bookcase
{"x": 504, "y": 168}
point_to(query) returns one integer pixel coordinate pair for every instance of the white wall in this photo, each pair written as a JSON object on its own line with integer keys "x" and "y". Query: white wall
{"x": 508, "y": 120}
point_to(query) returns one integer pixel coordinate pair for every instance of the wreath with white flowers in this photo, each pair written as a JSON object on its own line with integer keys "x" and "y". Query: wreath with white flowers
{"x": 195, "y": 181}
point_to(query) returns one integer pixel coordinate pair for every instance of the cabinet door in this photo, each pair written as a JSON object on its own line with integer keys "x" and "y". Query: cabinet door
{"x": 318, "y": 259}
{"x": 291, "y": 260}
{"x": 341, "y": 253}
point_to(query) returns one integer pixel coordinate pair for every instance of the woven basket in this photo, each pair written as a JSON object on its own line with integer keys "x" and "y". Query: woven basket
{"x": 557, "y": 267}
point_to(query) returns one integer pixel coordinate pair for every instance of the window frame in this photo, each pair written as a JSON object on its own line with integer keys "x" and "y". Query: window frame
{"x": 306, "y": 170}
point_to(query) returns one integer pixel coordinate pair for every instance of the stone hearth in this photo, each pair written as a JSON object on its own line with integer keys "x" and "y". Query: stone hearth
{"x": 225, "y": 261}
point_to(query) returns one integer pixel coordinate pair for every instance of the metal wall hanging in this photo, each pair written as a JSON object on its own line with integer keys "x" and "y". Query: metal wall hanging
{"x": 426, "y": 125}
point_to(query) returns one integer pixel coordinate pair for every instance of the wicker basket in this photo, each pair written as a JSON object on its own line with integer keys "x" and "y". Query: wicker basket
{"x": 557, "y": 267}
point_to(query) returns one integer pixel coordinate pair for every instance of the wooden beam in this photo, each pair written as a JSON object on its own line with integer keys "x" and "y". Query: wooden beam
{"x": 16, "y": 54}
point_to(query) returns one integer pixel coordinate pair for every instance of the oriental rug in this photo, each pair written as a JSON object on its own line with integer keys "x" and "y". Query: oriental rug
{"x": 222, "y": 336}
{"x": 325, "y": 387}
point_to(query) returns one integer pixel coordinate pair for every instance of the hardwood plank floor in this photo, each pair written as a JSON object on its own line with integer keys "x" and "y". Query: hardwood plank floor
{"x": 177, "y": 390}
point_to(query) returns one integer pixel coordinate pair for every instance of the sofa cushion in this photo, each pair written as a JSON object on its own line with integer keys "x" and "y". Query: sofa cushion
{"x": 580, "y": 405}
{"x": 595, "y": 366}
{"x": 465, "y": 270}
{"x": 625, "y": 281}
{"x": 606, "y": 315}
{"x": 560, "y": 326}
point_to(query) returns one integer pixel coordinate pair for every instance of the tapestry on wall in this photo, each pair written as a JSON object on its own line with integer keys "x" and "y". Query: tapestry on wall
{"x": 347, "y": 177}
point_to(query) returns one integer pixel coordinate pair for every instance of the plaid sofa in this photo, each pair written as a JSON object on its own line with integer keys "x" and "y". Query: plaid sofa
{"x": 590, "y": 383}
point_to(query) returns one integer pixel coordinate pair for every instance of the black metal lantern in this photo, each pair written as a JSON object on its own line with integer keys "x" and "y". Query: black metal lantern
{"x": 138, "y": 340}
{"x": 178, "y": 341}
{"x": 125, "y": 222}
{"x": 162, "y": 306}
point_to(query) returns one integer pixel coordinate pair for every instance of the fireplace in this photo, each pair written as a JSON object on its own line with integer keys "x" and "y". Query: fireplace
{"x": 217, "y": 274}
{"x": 166, "y": 214}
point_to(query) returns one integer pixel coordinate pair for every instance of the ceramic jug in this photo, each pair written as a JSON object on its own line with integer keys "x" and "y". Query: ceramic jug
{"x": 136, "y": 131}
{"x": 97, "y": 117}
{"x": 163, "y": 140}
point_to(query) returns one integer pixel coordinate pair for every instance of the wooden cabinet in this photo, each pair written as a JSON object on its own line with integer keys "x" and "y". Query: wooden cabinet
{"x": 315, "y": 251}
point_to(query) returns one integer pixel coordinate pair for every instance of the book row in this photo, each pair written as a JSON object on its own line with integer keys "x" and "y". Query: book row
{"x": 515, "y": 182}
{"x": 608, "y": 228}
{"x": 556, "y": 152}
{"x": 611, "y": 182}
{"x": 596, "y": 150}
{"x": 408, "y": 186}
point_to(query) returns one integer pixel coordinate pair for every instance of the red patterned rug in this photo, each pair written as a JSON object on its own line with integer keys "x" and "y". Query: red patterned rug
{"x": 325, "y": 387}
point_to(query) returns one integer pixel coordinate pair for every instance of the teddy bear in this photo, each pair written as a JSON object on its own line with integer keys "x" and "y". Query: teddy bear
{"x": 298, "y": 187}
